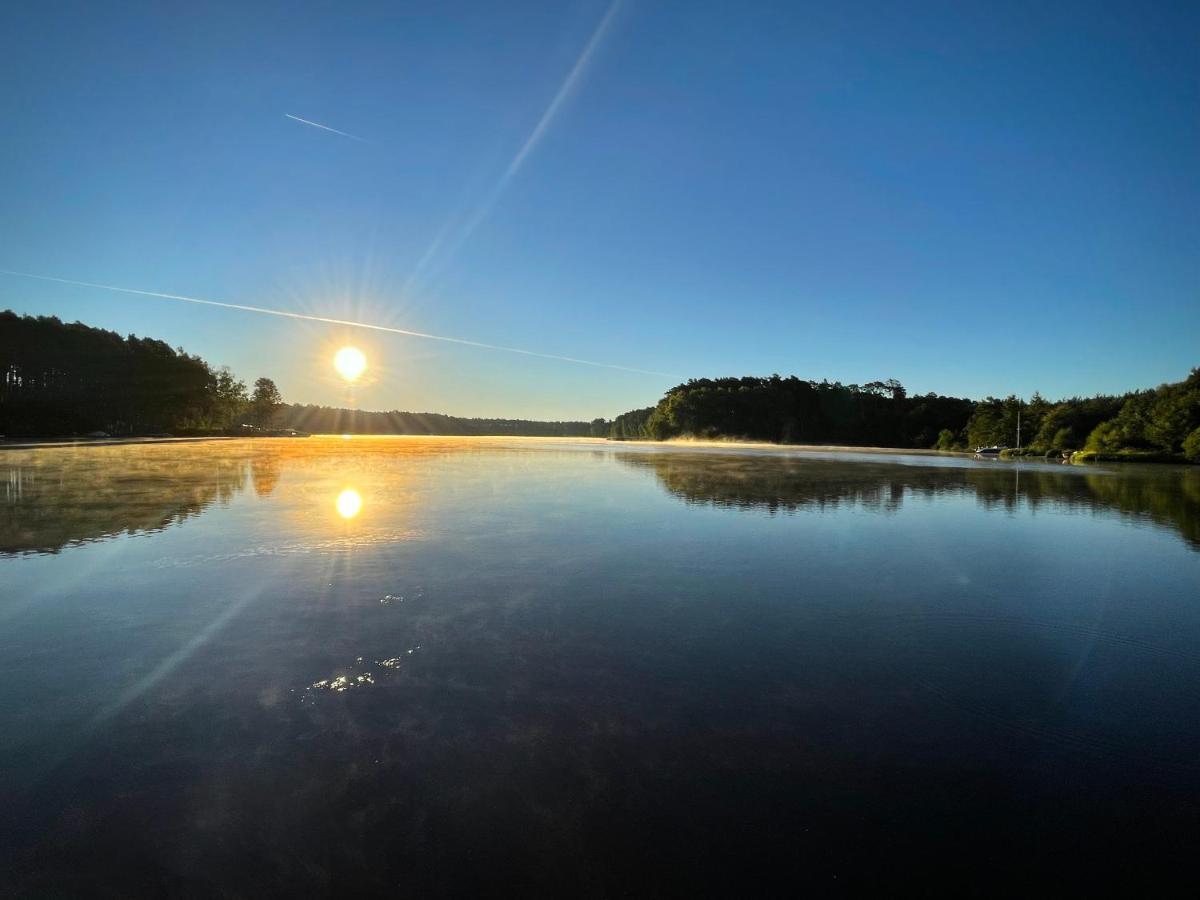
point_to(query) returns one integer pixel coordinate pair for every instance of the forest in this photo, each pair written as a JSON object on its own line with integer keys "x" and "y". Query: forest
{"x": 792, "y": 411}
{"x": 68, "y": 379}
{"x": 71, "y": 379}
{"x": 1159, "y": 423}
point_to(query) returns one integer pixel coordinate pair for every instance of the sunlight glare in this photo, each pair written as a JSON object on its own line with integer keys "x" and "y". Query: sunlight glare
{"x": 350, "y": 363}
{"x": 349, "y": 503}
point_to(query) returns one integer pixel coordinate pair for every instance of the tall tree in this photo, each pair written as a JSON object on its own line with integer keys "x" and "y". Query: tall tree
{"x": 265, "y": 403}
{"x": 230, "y": 399}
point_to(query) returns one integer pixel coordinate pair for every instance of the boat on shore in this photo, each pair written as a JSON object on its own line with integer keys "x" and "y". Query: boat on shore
{"x": 989, "y": 451}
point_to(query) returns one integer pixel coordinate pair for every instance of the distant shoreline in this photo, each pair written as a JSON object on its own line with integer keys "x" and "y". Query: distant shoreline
{"x": 1084, "y": 457}
{"x": 52, "y": 443}
{"x": 37, "y": 444}
{"x": 823, "y": 448}
{"x": 769, "y": 445}
{"x": 676, "y": 443}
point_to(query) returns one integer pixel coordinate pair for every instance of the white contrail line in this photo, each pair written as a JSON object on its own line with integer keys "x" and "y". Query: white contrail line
{"x": 326, "y": 128}
{"x": 344, "y": 322}
{"x": 531, "y": 142}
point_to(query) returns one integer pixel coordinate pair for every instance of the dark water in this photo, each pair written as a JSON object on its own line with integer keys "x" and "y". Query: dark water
{"x": 482, "y": 667}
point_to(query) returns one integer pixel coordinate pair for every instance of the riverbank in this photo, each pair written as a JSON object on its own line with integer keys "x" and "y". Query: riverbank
{"x": 768, "y": 445}
{"x": 1090, "y": 456}
{"x": 1010, "y": 453}
{"x": 41, "y": 443}
{"x": 1078, "y": 457}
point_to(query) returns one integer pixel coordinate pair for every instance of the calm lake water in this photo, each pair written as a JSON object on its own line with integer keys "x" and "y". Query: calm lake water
{"x": 485, "y": 666}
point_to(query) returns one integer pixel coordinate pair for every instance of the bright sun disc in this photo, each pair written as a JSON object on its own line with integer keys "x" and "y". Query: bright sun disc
{"x": 350, "y": 363}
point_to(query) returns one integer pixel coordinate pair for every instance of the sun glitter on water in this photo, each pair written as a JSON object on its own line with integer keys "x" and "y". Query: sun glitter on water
{"x": 350, "y": 363}
{"x": 349, "y": 503}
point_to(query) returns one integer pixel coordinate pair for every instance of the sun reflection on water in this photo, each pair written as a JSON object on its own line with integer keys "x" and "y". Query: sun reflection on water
{"x": 349, "y": 503}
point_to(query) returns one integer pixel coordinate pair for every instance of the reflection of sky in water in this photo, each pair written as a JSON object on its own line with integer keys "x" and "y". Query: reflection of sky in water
{"x": 514, "y": 652}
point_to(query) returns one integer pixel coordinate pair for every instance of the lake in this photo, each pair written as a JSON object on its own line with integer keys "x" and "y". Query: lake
{"x": 462, "y": 667}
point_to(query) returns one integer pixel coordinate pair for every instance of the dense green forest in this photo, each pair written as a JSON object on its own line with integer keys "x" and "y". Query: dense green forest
{"x": 792, "y": 411}
{"x": 61, "y": 379}
{"x": 1159, "y": 423}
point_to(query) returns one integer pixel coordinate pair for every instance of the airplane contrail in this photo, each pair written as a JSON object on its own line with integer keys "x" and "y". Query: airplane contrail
{"x": 370, "y": 326}
{"x": 326, "y": 128}
{"x": 531, "y": 142}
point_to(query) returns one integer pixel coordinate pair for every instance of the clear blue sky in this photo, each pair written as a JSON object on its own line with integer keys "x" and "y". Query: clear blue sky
{"x": 971, "y": 198}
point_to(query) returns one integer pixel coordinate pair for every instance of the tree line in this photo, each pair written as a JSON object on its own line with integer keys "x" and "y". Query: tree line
{"x": 334, "y": 420}
{"x": 1164, "y": 421}
{"x": 61, "y": 378}
{"x": 1159, "y": 422}
{"x": 793, "y": 411}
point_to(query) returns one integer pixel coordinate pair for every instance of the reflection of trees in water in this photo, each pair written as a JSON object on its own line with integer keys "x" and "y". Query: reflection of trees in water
{"x": 55, "y": 497}
{"x": 1167, "y": 495}
{"x": 52, "y": 498}
{"x": 774, "y": 483}
{"x": 264, "y": 473}
{"x": 1170, "y": 498}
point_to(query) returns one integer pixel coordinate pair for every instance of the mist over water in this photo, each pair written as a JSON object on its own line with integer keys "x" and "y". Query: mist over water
{"x": 493, "y": 665}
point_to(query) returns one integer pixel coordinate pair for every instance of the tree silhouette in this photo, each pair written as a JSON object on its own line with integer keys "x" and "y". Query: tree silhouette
{"x": 265, "y": 403}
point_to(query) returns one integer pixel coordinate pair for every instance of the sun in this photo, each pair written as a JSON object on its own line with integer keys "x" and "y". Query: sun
{"x": 350, "y": 363}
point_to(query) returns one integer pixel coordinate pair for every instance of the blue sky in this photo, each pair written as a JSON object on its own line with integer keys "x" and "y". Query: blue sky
{"x": 972, "y": 198}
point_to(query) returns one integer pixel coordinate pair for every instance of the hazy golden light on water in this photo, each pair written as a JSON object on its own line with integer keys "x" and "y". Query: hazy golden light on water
{"x": 349, "y": 503}
{"x": 350, "y": 363}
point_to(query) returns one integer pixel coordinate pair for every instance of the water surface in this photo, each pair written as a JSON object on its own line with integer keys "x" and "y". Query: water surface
{"x": 484, "y": 666}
